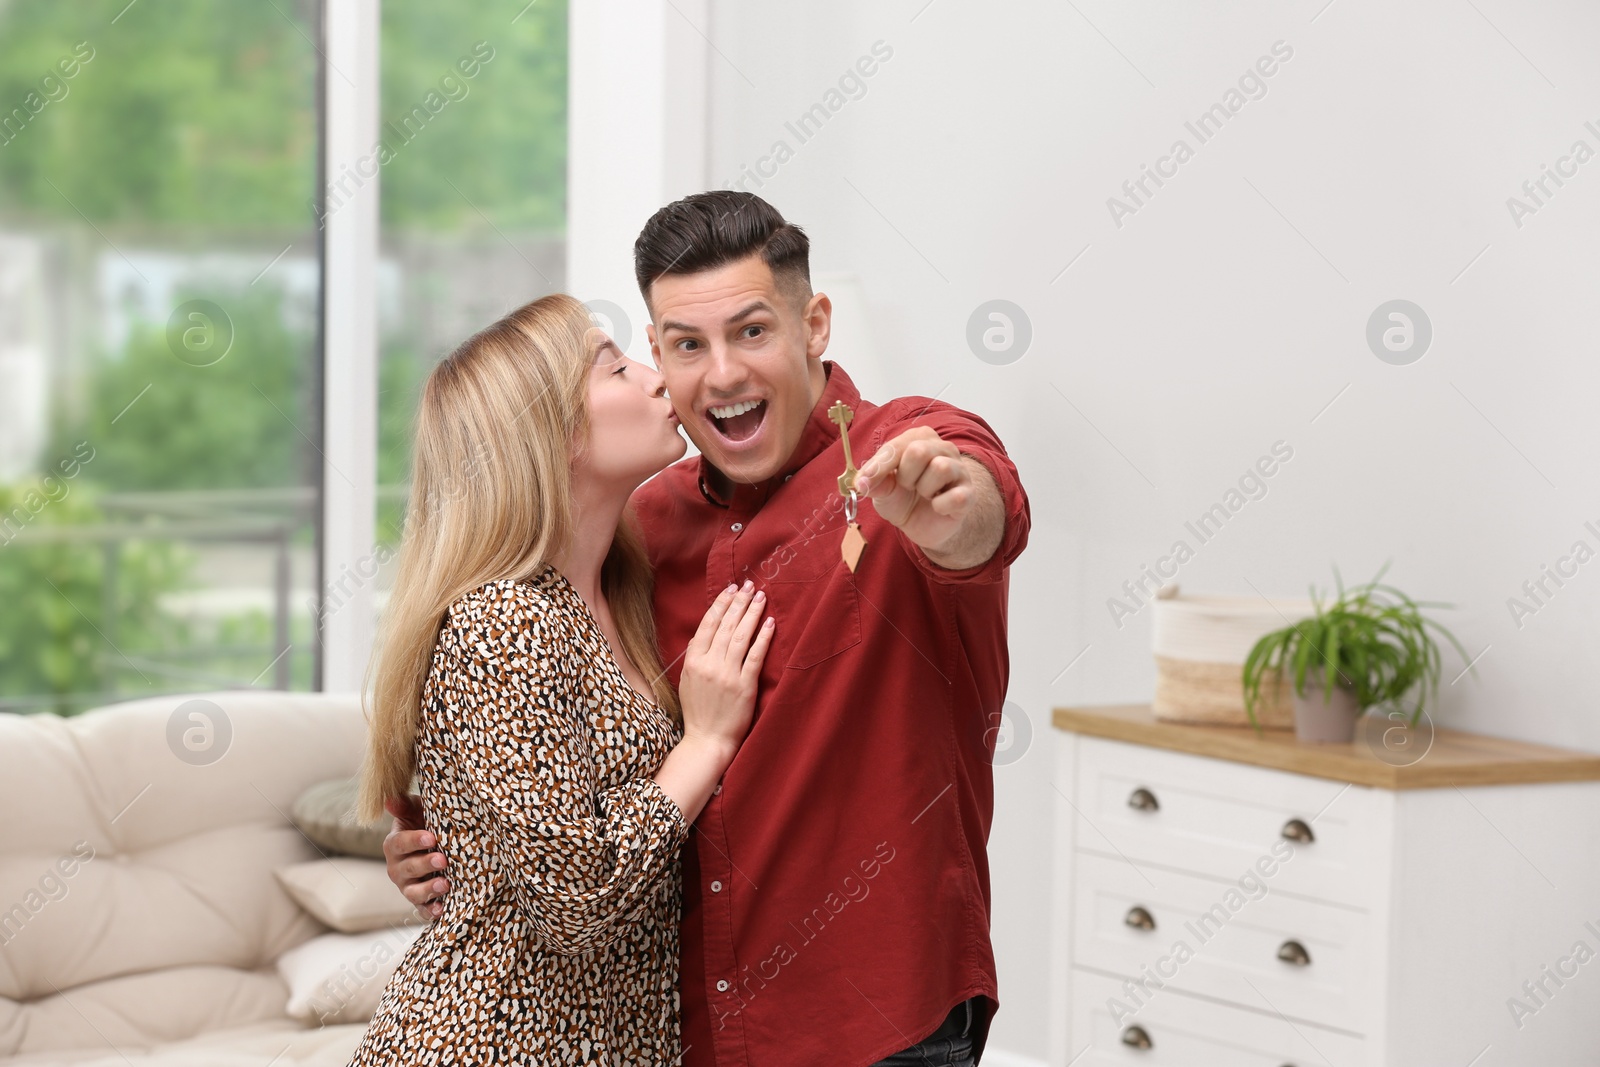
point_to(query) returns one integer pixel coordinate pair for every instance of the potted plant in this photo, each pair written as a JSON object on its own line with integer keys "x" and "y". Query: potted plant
{"x": 1370, "y": 646}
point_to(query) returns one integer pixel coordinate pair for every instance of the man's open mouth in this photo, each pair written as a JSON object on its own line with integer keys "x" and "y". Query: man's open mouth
{"x": 739, "y": 422}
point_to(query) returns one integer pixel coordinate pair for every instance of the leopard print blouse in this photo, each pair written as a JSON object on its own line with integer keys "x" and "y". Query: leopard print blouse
{"x": 559, "y": 939}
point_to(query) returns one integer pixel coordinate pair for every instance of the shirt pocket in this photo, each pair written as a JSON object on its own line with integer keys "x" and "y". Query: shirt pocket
{"x": 817, "y": 596}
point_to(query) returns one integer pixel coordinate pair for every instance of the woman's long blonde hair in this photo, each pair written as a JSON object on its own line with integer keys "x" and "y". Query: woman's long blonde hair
{"x": 500, "y": 422}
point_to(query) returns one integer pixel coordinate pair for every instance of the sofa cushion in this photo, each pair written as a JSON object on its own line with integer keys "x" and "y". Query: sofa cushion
{"x": 142, "y": 1011}
{"x": 198, "y": 900}
{"x": 326, "y": 812}
{"x": 349, "y": 894}
{"x": 339, "y": 978}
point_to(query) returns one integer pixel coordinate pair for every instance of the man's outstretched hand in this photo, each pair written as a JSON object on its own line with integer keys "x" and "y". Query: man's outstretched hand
{"x": 947, "y": 503}
{"x": 413, "y": 865}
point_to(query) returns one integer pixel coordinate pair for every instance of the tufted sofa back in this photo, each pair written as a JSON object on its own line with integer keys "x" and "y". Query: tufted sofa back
{"x": 137, "y": 848}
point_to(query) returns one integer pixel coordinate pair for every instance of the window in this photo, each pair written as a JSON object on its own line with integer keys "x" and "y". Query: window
{"x": 473, "y": 215}
{"x": 159, "y": 374}
{"x": 161, "y": 378}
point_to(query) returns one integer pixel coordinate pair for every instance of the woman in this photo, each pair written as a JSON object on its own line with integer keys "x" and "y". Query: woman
{"x": 518, "y": 679}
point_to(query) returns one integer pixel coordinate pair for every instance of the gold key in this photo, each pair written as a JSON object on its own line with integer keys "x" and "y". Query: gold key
{"x": 841, "y": 414}
{"x": 854, "y": 543}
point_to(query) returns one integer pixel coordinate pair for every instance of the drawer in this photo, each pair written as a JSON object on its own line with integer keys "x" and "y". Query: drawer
{"x": 1222, "y": 940}
{"x": 1187, "y": 1032}
{"x": 1218, "y": 818}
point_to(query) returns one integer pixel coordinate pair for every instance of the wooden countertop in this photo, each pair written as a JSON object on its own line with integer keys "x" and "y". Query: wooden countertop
{"x": 1454, "y": 758}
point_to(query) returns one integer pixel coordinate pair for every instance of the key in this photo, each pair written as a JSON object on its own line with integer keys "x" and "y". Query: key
{"x": 841, "y": 414}
{"x": 854, "y": 543}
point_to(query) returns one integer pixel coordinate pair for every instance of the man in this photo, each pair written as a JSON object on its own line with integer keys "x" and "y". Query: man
{"x": 836, "y": 902}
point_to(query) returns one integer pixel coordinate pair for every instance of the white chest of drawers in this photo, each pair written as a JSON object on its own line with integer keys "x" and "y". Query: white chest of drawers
{"x": 1224, "y": 899}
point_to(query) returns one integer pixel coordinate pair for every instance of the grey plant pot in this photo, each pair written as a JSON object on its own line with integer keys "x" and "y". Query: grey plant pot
{"x": 1326, "y": 717}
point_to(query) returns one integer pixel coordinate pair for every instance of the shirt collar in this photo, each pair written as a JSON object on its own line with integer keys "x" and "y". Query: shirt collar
{"x": 818, "y": 436}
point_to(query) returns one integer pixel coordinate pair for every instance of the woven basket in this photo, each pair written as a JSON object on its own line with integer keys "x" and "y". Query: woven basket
{"x": 1200, "y": 645}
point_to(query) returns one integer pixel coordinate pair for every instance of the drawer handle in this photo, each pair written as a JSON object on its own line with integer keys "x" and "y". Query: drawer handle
{"x": 1144, "y": 800}
{"x": 1294, "y": 952}
{"x": 1135, "y": 1037}
{"x": 1298, "y": 831}
{"x": 1139, "y": 918}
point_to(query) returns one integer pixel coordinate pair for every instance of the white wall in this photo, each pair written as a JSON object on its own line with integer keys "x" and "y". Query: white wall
{"x": 1224, "y": 315}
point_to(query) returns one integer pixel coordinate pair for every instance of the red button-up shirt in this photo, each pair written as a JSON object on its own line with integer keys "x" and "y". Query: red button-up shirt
{"x": 836, "y": 888}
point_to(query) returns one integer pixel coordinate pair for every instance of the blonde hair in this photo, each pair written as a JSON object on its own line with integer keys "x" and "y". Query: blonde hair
{"x": 500, "y": 422}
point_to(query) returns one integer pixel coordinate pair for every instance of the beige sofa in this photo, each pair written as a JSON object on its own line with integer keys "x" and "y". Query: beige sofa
{"x": 139, "y": 916}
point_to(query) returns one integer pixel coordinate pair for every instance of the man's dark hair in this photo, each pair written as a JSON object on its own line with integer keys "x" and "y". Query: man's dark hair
{"x": 707, "y": 230}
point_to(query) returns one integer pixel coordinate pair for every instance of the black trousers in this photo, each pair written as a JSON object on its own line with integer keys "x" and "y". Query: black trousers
{"x": 958, "y": 1042}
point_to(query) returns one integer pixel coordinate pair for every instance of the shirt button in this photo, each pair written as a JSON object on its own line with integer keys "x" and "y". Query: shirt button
{"x": 716, "y": 887}
{"x": 788, "y": 477}
{"x": 722, "y": 985}
{"x": 738, "y": 526}
{"x": 717, "y": 790}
